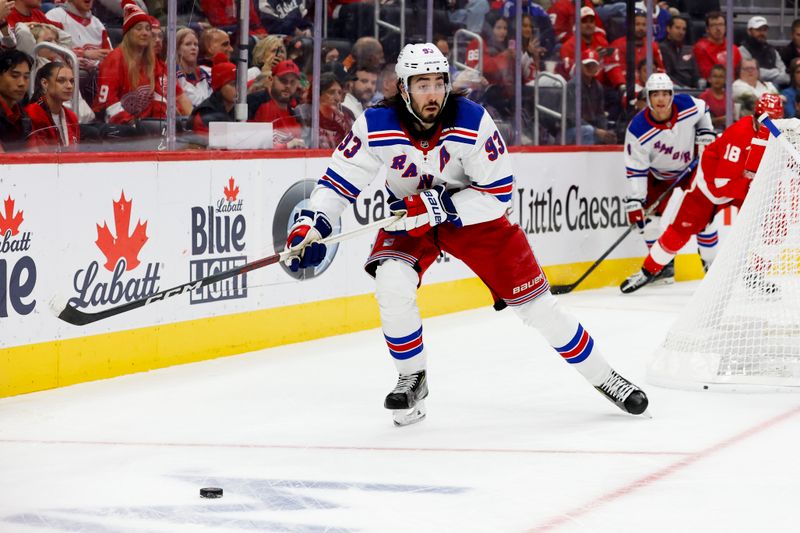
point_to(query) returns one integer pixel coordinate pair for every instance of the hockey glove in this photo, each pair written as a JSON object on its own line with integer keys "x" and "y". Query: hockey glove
{"x": 309, "y": 228}
{"x": 423, "y": 211}
{"x": 635, "y": 211}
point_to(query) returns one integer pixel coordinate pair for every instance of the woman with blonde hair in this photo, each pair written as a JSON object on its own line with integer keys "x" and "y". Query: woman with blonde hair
{"x": 132, "y": 80}
{"x": 269, "y": 52}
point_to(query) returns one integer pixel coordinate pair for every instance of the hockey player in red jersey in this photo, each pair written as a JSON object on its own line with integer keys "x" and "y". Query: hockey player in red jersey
{"x": 726, "y": 170}
{"x": 448, "y": 172}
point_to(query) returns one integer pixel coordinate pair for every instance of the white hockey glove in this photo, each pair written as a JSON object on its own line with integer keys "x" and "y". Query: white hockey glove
{"x": 303, "y": 241}
{"x": 423, "y": 211}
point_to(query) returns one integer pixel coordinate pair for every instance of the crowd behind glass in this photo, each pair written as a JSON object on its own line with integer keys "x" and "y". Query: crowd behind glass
{"x": 91, "y": 75}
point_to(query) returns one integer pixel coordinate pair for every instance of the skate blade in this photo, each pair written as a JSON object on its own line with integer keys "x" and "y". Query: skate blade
{"x": 406, "y": 417}
{"x": 662, "y": 281}
{"x": 646, "y": 414}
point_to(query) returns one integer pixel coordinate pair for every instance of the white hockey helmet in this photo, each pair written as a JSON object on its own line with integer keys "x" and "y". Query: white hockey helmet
{"x": 417, "y": 59}
{"x": 658, "y": 81}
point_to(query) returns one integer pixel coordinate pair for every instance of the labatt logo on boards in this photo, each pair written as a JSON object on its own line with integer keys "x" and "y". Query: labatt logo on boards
{"x": 218, "y": 231}
{"x": 129, "y": 278}
{"x": 17, "y": 269}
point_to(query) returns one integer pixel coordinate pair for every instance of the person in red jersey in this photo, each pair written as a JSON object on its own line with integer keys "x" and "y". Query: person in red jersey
{"x": 726, "y": 170}
{"x": 53, "y": 125}
{"x": 132, "y": 80}
{"x": 711, "y": 50}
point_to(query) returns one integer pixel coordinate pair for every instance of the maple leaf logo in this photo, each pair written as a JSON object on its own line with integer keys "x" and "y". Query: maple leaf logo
{"x": 230, "y": 192}
{"x": 124, "y": 245}
{"x": 10, "y": 221}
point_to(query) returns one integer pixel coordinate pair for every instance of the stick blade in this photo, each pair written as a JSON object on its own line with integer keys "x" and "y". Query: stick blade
{"x": 561, "y": 289}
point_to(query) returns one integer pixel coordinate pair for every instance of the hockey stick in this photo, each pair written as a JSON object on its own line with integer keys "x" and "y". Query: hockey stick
{"x": 76, "y": 317}
{"x": 778, "y": 134}
{"x": 563, "y": 289}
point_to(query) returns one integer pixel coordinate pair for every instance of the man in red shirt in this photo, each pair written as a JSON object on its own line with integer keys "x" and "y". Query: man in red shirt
{"x": 562, "y": 13}
{"x": 279, "y": 110}
{"x": 611, "y": 74}
{"x": 640, "y": 38}
{"x": 726, "y": 170}
{"x": 711, "y": 49}
{"x": 28, "y": 11}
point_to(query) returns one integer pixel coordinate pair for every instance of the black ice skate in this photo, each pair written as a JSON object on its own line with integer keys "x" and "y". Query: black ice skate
{"x": 406, "y": 400}
{"x": 624, "y": 394}
{"x": 666, "y": 276}
{"x": 636, "y": 281}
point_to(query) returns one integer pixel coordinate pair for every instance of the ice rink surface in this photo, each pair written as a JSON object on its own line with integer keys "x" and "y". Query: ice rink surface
{"x": 514, "y": 441}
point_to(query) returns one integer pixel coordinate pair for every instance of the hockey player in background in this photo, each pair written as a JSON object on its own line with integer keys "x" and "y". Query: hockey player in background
{"x": 727, "y": 167}
{"x": 660, "y": 145}
{"x": 449, "y": 173}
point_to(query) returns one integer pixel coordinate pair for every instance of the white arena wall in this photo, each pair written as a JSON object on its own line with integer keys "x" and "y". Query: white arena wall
{"x": 104, "y": 229}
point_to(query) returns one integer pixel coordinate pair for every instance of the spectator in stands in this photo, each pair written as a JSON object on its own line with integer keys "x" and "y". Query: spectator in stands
{"x": 335, "y": 121}
{"x": 711, "y": 49}
{"x": 440, "y": 41}
{"x": 748, "y": 88}
{"x": 661, "y": 18}
{"x": 608, "y": 10}
{"x": 679, "y": 61}
{"x": 280, "y": 109}
{"x": 28, "y": 11}
{"x": 387, "y": 84}
{"x": 562, "y": 13}
{"x": 132, "y": 80}
{"x": 285, "y": 17}
{"x": 268, "y": 52}
{"x": 193, "y": 79}
{"x": 532, "y": 53}
{"x": 755, "y": 45}
{"x": 498, "y": 56}
{"x": 222, "y": 15}
{"x": 52, "y": 124}
{"x": 360, "y": 89}
{"x": 366, "y": 52}
{"x": 90, "y": 40}
{"x": 471, "y": 16}
{"x": 29, "y": 34}
{"x": 715, "y": 97}
{"x": 792, "y": 48}
{"x": 640, "y": 41}
{"x": 790, "y": 93}
{"x": 7, "y": 40}
{"x": 538, "y": 17}
{"x": 15, "y": 124}
{"x": 219, "y": 106}
{"x": 212, "y": 42}
{"x": 594, "y": 123}
{"x": 611, "y": 74}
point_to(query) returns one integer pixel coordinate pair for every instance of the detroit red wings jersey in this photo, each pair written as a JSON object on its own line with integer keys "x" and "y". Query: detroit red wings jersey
{"x": 725, "y": 161}
{"x": 663, "y": 150}
{"x": 469, "y": 157}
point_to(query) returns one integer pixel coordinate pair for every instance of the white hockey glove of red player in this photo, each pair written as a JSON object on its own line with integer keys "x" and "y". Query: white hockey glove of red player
{"x": 635, "y": 211}
{"x": 309, "y": 228}
{"x": 423, "y": 211}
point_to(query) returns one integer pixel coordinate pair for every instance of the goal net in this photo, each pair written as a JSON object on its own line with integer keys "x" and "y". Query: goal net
{"x": 741, "y": 329}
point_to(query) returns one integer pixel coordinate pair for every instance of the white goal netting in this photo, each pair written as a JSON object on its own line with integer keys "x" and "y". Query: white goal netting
{"x": 741, "y": 329}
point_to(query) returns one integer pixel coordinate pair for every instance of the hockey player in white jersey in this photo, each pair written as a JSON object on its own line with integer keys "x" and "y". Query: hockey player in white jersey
{"x": 449, "y": 173}
{"x": 660, "y": 145}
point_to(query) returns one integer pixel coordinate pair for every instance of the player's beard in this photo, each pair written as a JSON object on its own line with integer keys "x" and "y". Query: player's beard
{"x": 428, "y": 114}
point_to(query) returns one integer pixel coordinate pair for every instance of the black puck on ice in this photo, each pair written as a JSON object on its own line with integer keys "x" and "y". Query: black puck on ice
{"x": 211, "y": 492}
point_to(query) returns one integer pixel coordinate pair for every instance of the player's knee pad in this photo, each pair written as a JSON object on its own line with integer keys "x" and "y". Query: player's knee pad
{"x": 396, "y": 286}
{"x": 547, "y": 315}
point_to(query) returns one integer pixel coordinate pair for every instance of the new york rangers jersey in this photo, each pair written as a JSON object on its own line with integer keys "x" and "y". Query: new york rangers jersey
{"x": 663, "y": 149}
{"x": 468, "y": 156}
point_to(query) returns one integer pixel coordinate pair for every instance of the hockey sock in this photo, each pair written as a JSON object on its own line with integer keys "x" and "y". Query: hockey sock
{"x": 664, "y": 250}
{"x": 707, "y": 245}
{"x": 566, "y": 335}
{"x": 396, "y": 292}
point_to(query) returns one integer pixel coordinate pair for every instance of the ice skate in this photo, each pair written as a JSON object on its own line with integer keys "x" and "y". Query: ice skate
{"x": 407, "y": 399}
{"x": 624, "y": 394}
{"x": 666, "y": 276}
{"x": 636, "y": 281}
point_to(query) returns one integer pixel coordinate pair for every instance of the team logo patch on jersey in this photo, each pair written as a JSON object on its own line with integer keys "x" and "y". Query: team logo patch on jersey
{"x": 424, "y": 144}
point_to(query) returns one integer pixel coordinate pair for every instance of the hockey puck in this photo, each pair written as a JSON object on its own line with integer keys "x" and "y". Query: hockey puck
{"x": 211, "y": 492}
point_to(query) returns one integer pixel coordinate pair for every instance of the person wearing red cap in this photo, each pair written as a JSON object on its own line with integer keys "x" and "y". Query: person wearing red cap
{"x": 279, "y": 110}
{"x": 219, "y": 106}
{"x": 593, "y": 37}
{"x": 132, "y": 80}
{"x": 562, "y": 13}
{"x": 594, "y": 122}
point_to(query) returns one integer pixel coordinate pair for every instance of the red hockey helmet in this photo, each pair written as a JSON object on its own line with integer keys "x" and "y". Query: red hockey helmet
{"x": 771, "y": 104}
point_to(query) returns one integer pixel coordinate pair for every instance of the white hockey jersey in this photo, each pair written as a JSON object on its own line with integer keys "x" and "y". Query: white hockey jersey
{"x": 664, "y": 149}
{"x": 468, "y": 156}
